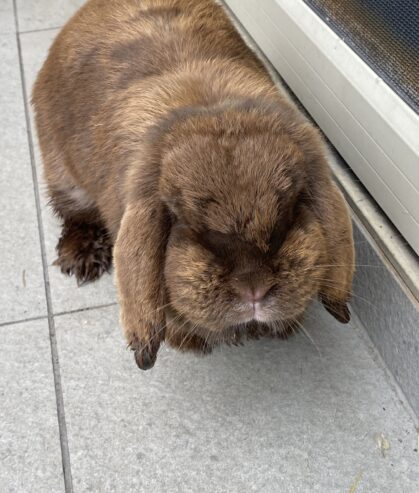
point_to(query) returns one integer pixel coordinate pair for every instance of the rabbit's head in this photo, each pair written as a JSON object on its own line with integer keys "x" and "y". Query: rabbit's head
{"x": 257, "y": 227}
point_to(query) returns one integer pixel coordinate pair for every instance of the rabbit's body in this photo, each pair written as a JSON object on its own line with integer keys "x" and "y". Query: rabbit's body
{"x": 163, "y": 134}
{"x": 116, "y": 69}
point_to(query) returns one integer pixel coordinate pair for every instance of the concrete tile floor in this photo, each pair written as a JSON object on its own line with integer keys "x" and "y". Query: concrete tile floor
{"x": 271, "y": 416}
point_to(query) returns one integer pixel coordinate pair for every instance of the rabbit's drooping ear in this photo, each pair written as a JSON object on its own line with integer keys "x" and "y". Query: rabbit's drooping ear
{"x": 336, "y": 285}
{"x": 139, "y": 263}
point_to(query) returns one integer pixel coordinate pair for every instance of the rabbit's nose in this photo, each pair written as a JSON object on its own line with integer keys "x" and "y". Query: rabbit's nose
{"x": 253, "y": 294}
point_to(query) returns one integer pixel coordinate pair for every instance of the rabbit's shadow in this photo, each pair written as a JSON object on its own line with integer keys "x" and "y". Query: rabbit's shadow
{"x": 319, "y": 361}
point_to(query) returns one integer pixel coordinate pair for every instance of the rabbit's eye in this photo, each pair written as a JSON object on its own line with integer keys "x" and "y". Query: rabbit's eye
{"x": 226, "y": 246}
{"x": 173, "y": 217}
{"x": 283, "y": 225}
{"x": 218, "y": 243}
{"x": 278, "y": 236}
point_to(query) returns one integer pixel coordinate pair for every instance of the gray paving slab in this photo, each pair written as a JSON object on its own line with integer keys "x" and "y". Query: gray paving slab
{"x": 390, "y": 315}
{"x": 35, "y": 47}
{"x": 65, "y": 294}
{"x": 30, "y": 458}
{"x": 7, "y": 19}
{"x": 22, "y": 293}
{"x": 45, "y": 14}
{"x": 271, "y": 416}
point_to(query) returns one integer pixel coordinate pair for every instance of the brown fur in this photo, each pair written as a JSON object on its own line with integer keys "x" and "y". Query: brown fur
{"x": 156, "y": 121}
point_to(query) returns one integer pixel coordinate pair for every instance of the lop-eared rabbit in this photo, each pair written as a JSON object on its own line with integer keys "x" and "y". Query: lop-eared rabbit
{"x": 168, "y": 148}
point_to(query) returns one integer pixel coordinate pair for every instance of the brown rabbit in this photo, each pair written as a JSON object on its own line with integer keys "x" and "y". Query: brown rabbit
{"x": 162, "y": 134}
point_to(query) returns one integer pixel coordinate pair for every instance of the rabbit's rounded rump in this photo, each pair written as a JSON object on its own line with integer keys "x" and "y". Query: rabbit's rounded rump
{"x": 165, "y": 140}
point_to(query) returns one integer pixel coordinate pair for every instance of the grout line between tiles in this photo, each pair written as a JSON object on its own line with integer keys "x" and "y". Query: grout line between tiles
{"x": 24, "y": 320}
{"x": 58, "y": 314}
{"x": 65, "y": 454}
{"x": 40, "y": 30}
{"x": 86, "y": 309}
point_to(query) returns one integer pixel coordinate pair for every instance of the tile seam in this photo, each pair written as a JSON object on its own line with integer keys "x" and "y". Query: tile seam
{"x": 65, "y": 454}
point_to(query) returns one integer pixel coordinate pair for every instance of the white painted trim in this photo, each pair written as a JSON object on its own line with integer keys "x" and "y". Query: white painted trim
{"x": 374, "y": 130}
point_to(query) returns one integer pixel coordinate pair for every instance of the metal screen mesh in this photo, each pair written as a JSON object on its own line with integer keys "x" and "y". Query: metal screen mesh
{"x": 384, "y": 33}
